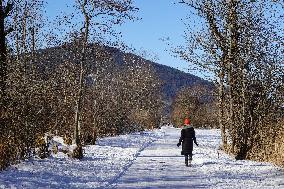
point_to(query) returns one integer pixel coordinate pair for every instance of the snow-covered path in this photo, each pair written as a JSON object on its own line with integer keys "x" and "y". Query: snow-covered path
{"x": 145, "y": 160}
{"x": 161, "y": 166}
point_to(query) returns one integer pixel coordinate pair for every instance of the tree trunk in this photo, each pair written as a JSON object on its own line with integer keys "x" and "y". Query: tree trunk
{"x": 221, "y": 107}
{"x": 78, "y": 113}
{"x": 3, "y": 59}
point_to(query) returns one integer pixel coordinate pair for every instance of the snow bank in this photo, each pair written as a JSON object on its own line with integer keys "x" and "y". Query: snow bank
{"x": 144, "y": 160}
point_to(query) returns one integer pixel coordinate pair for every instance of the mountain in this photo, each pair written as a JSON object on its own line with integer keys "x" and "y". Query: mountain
{"x": 173, "y": 79}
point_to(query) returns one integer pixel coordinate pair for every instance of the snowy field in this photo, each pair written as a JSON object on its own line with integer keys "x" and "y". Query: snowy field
{"x": 145, "y": 160}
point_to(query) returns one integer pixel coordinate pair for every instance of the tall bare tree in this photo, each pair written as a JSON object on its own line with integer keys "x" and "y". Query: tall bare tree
{"x": 233, "y": 43}
{"x": 97, "y": 13}
{"x": 5, "y": 11}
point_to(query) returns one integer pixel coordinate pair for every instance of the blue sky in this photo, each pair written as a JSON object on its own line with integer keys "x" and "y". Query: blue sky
{"x": 159, "y": 19}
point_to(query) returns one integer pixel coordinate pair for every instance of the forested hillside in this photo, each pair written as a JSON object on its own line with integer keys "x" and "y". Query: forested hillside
{"x": 172, "y": 79}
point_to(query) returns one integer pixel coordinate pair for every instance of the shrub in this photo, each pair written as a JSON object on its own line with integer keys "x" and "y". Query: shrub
{"x": 42, "y": 148}
{"x": 269, "y": 146}
{"x": 77, "y": 152}
{"x": 55, "y": 148}
{"x": 67, "y": 140}
{"x": 5, "y": 155}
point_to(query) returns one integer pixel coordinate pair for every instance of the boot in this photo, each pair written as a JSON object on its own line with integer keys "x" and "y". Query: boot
{"x": 189, "y": 163}
{"x": 189, "y": 160}
{"x": 186, "y": 160}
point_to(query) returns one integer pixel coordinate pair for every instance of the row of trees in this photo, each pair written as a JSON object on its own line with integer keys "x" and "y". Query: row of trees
{"x": 241, "y": 43}
{"x": 77, "y": 89}
{"x": 198, "y": 104}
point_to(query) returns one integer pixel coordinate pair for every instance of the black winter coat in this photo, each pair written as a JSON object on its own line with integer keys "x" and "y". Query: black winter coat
{"x": 187, "y": 138}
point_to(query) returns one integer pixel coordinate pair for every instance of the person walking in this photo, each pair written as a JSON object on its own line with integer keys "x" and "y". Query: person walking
{"x": 186, "y": 139}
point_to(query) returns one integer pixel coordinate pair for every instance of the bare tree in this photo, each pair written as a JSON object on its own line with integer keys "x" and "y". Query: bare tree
{"x": 233, "y": 43}
{"x": 115, "y": 11}
{"x": 198, "y": 104}
{"x": 5, "y": 11}
{"x": 24, "y": 91}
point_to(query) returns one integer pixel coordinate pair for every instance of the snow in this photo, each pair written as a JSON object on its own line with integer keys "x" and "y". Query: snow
{"x": 144, "y": 160}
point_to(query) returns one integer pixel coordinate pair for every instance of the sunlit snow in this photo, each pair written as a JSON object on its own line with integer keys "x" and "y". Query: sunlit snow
{"x": 144, "y": 160}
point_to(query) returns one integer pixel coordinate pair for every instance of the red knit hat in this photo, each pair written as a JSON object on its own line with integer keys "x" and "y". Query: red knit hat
{"x": 186, "y": 121}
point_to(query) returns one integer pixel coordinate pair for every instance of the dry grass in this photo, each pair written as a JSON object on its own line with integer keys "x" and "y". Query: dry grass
{"x": 278, "y": 156}
{"x": 270, "y": 147}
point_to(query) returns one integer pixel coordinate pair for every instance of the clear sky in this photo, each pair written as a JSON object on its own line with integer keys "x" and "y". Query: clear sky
{"x": 159, "y": 19}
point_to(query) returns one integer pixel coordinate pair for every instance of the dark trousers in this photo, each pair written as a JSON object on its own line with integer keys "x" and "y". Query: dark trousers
{"x": 188, "y": 157}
